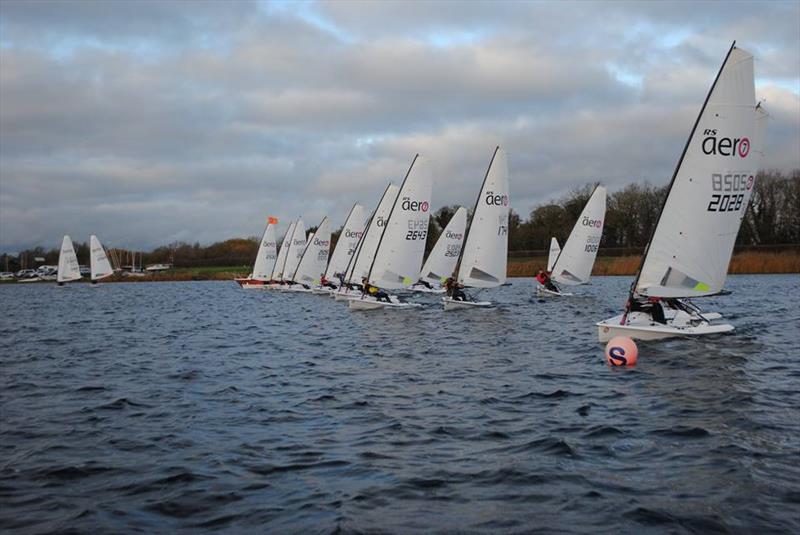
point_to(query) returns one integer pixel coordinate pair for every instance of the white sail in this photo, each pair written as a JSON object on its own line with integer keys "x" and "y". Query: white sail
{"x": 691, "y": 247}
{"x": 442, "y": 260}
{"x": 100, "y": 266}
{"x": 485, "y": 254}
{"x": 554, "y": 250}
{"x": 574, "y": 264}
{"x": 267, "y": 255}
{"x": 369, "y": 242}
{"x": 351, "y": 233}
{"x": 280, "y": 263}
{"x": 398, "y": 257}
{"x": 295, "y": 250}
{"x": 315, "y": 257}
{"x": 68, "y": 267}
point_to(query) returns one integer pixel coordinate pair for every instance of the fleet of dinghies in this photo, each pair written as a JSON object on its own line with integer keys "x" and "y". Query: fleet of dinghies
{"x": 686, "y": 257}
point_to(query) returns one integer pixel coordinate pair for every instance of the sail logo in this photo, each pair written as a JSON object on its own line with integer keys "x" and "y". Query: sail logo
{"x": 268, "y": 244}
{"x": 381, "y": 221}
{"x": 321, "y": 243}
{"x": 594, "y": 223}
{"x": 299, "y": 242}
{"x": 724, "y": 146}
{"x": 414, "y": 206}
{"x": 350, "y": 234}
{"x": 453, "y": 235}
{"x": 496, "y": 200}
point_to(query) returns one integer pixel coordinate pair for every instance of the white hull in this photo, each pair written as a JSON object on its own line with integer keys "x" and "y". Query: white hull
{"x": 370, "y": 303}
{"x": 298, "y": 288}
{"x": 641, "y": 327}
{"x": 451, "y": 304}
{"x": 425, "y": 290}
{"x": 346, "y": 295}
{"x": 541, "y": 291}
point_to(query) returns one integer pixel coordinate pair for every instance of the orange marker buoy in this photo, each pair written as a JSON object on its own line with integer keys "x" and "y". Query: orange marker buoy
{"x": 621, "y": 351}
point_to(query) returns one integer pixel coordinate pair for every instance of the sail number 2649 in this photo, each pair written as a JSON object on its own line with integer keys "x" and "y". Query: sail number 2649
{"x": 729, "y": 199}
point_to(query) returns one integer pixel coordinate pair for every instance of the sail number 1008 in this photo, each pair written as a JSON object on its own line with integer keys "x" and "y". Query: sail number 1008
{"x": 733, "y": 183}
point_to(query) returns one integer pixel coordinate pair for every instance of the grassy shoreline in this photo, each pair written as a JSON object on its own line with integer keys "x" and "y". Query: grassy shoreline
{"x": 747, "y": 262}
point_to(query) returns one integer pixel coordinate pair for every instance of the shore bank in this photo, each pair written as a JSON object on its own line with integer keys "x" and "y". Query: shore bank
{"x": 747, "y": 262}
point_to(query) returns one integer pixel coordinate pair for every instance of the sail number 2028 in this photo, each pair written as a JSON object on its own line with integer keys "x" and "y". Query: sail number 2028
{"x": 729, "y": 200}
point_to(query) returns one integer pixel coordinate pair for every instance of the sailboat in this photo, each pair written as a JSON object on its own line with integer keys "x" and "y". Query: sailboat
{"x": 484, "y": 257}
{"x": 345, "y": 248}
{"x": 100, "y": 266}
{"x": 266, "y": 257}
{"x": 68, "y": 267}
{"x": 280, "y": 263}
{"x": 573, "y": 265}
{"x": 367, "y": 245}
{"x": 398, "y": 256}
{"x": 555, "y": 249}
{"x": 314, "y": 261}
{"x": 692, "y": 243}
{"x": 294, "y": 253}
{"x": 443, "y": 257}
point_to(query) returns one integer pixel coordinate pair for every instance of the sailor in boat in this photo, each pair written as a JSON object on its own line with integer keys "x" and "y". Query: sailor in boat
{"x": 543, "y": 278}
{"x": 325, "y": 283}
{"x": 374, "y": 291}
{"x": 651, "y": 306}
{"x": 423, "y": 282}
{"x": 455, "y": 291}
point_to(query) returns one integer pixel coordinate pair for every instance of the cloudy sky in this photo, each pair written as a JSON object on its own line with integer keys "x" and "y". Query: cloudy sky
{"x": 150, "y": 122}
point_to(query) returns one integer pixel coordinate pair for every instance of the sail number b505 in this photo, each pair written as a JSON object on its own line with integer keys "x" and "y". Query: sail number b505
{"x": 734, "y": 182}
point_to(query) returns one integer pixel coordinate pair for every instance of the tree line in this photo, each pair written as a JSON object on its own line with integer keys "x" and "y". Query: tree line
{"x": 773, "y": 217}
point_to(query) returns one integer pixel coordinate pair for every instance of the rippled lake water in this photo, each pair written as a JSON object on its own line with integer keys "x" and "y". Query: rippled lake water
{"x": 199, "y": 406}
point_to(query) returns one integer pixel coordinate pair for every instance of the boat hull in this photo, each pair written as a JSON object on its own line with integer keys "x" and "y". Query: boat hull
{"x": 451, "y": 304}
{"x": 541, "y": 291}
{"x": 641, "y": 327}
{"x": 425, "y": 290}
{"x": 369, "y": 303}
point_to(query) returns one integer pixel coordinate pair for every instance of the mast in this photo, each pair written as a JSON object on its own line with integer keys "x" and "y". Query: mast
{"x": 474, "y": 209}
{"x": 672, "y": 183}
{"x": 389, "y": 218}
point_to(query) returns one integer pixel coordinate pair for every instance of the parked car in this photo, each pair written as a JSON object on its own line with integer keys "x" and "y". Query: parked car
{"x": 85, "y": 271}
{"x": 6, "y": 275}
{"x": 26, "y": 274}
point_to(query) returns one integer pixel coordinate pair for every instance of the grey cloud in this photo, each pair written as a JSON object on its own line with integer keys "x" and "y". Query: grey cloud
{"x": 246, "y": 111}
